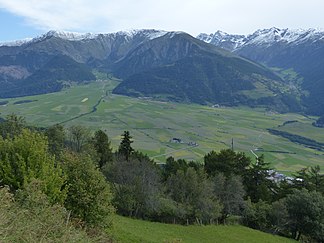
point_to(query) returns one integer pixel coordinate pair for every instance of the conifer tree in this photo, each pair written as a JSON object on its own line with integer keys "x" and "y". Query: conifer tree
{"x": 125, "y": 147}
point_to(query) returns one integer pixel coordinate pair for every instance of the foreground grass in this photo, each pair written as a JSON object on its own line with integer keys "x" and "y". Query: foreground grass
{"x": 131, "y": 230}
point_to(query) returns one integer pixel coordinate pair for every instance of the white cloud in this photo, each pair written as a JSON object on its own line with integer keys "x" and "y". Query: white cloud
{"x": 193, "y": 16}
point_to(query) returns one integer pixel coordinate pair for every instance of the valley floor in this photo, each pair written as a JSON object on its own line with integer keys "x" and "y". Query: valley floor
{"x": 154, "y": 125}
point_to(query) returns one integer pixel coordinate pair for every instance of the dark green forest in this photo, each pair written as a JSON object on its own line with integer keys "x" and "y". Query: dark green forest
{"x": 63, "y": 183}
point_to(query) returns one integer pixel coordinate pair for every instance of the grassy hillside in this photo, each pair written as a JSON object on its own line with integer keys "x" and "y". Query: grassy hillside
{"x": 152, "y": 124}
{"x": 131, "y": 230}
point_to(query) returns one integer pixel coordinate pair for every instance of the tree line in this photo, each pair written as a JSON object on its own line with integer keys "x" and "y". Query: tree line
{"x": 79, "y": 172}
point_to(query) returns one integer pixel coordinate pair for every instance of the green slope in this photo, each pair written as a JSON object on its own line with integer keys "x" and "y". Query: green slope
{"x": 131, "y": 230}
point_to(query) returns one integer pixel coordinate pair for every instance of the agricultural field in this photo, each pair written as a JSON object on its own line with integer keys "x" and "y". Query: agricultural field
{"x": 132, "y": 230}
{"x": 153, "y": 124}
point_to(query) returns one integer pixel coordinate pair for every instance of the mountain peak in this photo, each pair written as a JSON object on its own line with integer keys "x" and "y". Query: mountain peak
{"x": 294, "y": 36}
{"x": 265, "y": 37}
{"x": 15, "y": 42}
{"x": 149, "y": 33}
{"x": 76, "y": 36}
{"x": 67, "y": 35}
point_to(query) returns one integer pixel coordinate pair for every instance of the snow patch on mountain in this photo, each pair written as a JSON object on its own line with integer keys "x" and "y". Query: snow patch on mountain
{"x": 75, "y": 36}
{"x": 65, "y": 35}
{"x": 265, "y": 37}
{"x": 16, "y": 42}
{"x": 148, "y": 33}
{"x": 284, "y": 35}
{"x": 71, "y": 36}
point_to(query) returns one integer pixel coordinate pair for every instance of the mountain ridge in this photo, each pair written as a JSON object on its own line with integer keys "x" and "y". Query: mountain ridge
{"x": 76, "y": 36}
{"x": 262, "y": 36}
{"x": 151, "y": 62}
{"x": 298, "y": 52}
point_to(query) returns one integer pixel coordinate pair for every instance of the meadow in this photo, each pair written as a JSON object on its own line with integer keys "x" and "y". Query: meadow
{"x": 154, "y": 123}
{"x": 132, "y": 230}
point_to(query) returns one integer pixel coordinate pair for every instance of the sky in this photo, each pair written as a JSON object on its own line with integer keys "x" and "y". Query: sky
{"x": 21, "y": 19}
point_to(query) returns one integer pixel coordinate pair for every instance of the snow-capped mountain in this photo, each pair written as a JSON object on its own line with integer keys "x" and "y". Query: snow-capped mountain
{"x": 15, "y": 42}
{"x": 298, "y": 53}
{"x": 222, "y": 39}
{"x": 265, "y": 37}
{"x": 154, "y": 62}
{"x": 75, "y": 36}
{"x": 71, "y": 36}
{"x": 151, "y": 63}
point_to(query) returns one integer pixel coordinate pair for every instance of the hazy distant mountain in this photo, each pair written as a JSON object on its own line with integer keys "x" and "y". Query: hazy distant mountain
{"x": 167, "y": 65}
{"x": 300, "y": 50}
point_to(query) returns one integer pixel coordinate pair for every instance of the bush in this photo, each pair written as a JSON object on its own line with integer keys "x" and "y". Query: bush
{"x": 31, "y": 218}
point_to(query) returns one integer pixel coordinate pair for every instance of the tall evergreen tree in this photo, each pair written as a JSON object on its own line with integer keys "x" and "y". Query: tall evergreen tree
{"x": 257, "y": 183}
{"x": 309, "y": 178}
{"x": 227, "y": 162}
{"x": 125, "y": 147}
{"x": 172, "y": 166}
{"x": 316, "y": 179}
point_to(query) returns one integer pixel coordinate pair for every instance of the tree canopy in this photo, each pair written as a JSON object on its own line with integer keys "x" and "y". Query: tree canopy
{"x": 25, "y": 157}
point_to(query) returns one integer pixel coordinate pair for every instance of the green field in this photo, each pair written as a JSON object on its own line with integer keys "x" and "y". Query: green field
{"x": 131, "y": 230}
{"x": 152, "y": 124}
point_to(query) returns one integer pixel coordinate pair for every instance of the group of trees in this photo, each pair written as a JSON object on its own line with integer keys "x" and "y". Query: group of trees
{"x": 49, "y": 173}
{"x": 227, "y": 187}
{"x": 79, "y": 173}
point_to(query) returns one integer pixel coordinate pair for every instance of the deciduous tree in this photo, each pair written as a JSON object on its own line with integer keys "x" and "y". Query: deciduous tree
{"x": 25, "y": 157}
{"x": 89, "y": 196}
{"x": 79, "y": 137}
{"x": 194, "y": 192}
{"x": 230, "y": 192}
{"x": 12, "y": 126}
{"x": 136, "y": 185}
{"x": 306, "y": 214}
{"x": 56, "y": 138}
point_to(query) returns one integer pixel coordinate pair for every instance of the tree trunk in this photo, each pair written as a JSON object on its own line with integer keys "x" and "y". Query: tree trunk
{"x": 298, "y": 236}
{"x": 68, "y": 218}
{"x": 198, "y": 221}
